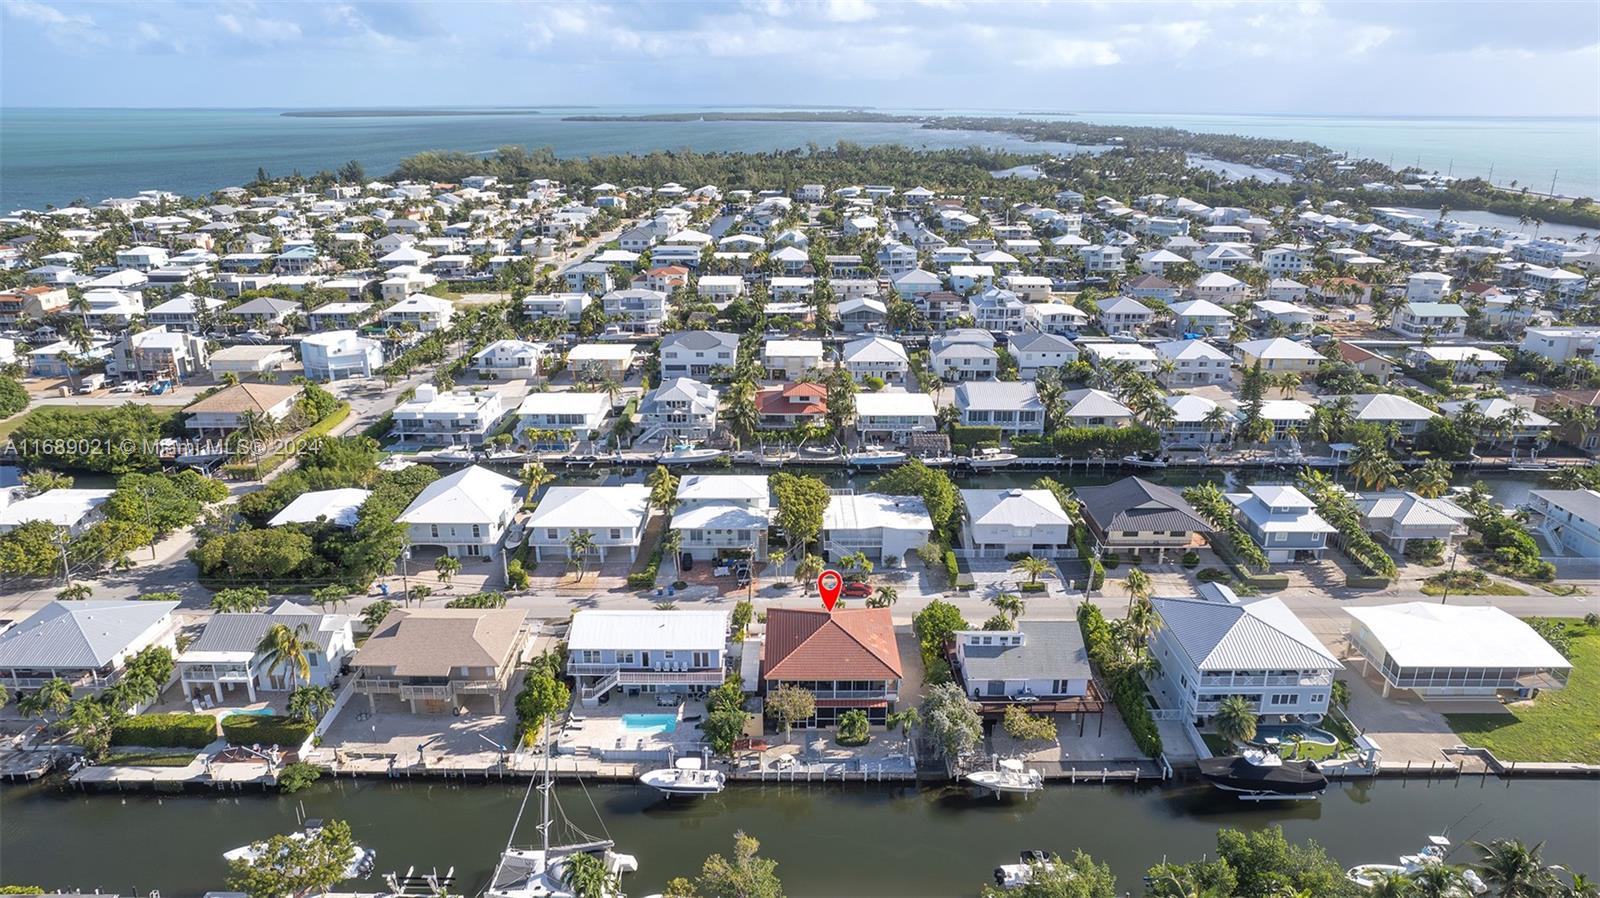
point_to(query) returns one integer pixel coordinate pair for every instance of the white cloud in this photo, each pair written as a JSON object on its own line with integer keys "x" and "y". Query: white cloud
{"x": 66, "y": 29}
{"x": 848, "y": 11}
{"x": 1069, "y": 53}
{"x": 259, "y": 29}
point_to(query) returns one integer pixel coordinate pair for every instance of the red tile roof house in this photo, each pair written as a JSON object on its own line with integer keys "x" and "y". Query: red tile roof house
{"x": 847, "y": 658}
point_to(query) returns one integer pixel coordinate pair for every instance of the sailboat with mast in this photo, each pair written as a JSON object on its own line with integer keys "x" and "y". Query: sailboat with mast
{"x": 545, "y": 871}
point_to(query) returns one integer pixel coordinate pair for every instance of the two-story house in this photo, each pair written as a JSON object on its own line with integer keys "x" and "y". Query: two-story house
{"x": 894, "y": 417}
{"x": 510, "y": 359}
{"x": 1283, "y": 522}
{"x": 1002, "y": 521}
{"x": 1040, "y": 665}
{"x": 1139, "y": 519}
{"x": 878, "y": 357}
{"x": 1218, "y": 645}
{"x": 697, "y": 353}
{"x": 791, "y": 359}
{"x": 434, "y": 660}
{"x": 465, "y": 513}
{"x": 681, "y": 407}
{"x": 792, "y": 405}
{"x": 964, "y": 354}
{"x": 226, "y": 658}
{"x": 1035, "y": 352}
{"x": 646, "y": 651}
{"x": 847, "y": 658}
{"x": 1122, "y": 315}
{"x": 1438, "y": 320}
{"x": 1011, "y": 406}
{"x": 451, "y": 418}
{"x": 722, "y": 516}
{"x": 613, "y": 517}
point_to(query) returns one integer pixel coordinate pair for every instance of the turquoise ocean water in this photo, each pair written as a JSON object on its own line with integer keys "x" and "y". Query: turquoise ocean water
{"x": 59, "y": 155}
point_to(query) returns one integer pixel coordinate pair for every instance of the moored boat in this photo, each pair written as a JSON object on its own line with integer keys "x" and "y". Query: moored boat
{"x": 1259, "y": 775}
{"x": 870, "y": 457}
{"x": 1009, "y": 776}
{"x": 1369, "y": 876}
{"x": 685, "y": 454}
{"x": 1019, "y": 875}
{"x": 687, "y": 776}
{"x": 992, "y": 458}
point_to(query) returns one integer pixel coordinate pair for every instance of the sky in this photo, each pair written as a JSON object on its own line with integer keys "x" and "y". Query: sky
{"x": 1434, "y": 57}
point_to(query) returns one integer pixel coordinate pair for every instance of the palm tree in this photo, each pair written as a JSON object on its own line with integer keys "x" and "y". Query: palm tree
{"x": 1438, "y": 881}
{"x": 1010, "y": 604}
{"x": 1514, "y": 869}
{"x": 54, "y": 697}
{"x": 309, "y": 703}
{"x": 885, "y": 597}
{"x": 579, "y": 544}
{"x": 1235, "y": 719}
{"x": 1391, "y": 885}
{"x": 534, "y": 476}
{"x": 588, "y": 877}
{"x": 1432, "y": 480}
{"x": 1136, "y": 585}
{"x": 1034, "y": 568}
{"x": 446, "y": 567}
{"x": 1372, "y": 466}
{"x": 283, "y": 648}
{"x": 1580, "y": 887}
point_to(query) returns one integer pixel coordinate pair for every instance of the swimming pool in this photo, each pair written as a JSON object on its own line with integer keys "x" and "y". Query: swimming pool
{"x": 649, "y": 723}
{"x": 249, "y": 712}
{"x": 1282, "y": 732}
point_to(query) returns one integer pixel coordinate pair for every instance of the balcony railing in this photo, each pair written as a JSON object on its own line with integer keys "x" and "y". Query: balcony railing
{"x": 1229, "y": 681}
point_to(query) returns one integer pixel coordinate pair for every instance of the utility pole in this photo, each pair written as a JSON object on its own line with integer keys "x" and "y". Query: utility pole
{"x": 1449, "y": 577}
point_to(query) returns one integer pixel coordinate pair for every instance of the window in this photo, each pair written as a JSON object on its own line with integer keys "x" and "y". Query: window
{"x": 477, "y": 531}
{"x": 1285, "y": 698}
{"x": 433, "y": 530}
{"x": 616, "y": 533}
{"x": 701, "y": 659}
{"x": 550, "y": 534}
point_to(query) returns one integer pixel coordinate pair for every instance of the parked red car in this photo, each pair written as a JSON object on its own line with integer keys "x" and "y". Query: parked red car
{"x": 858, "y": 590}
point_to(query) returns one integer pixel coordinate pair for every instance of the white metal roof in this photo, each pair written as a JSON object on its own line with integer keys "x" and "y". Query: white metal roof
{"x": 649, "y": 630}
{"x": 1425, "y": 634}
{"x": 712, "y": 487}
{"x": 338, "y": 506}
{"x": 625, "y": 505}
{"x": 1261, "y": 635}
{"x": 1014, "y": 507}
{"x": 62, "y": 507}
{"x": 470, "y": 496}
{"x": 79, "y": 635}
{"x": 870, "y": 511}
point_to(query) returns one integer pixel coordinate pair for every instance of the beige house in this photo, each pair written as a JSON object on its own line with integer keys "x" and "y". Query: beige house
{"x": 224, "y": 411}
{"x": 435, "y": 658}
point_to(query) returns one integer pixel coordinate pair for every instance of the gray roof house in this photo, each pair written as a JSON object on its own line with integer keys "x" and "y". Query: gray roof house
{"x": 1135, "y": 516}
{"x": 84, "y": 643}
{"x": 681, "y": 407}
{"x": 224, "y": 657}
{"x": 1012, "y": 406}
{"x": 696, "y": 353}
{"x": 1217, "y": 645}
{"x": 1040, "y": 664}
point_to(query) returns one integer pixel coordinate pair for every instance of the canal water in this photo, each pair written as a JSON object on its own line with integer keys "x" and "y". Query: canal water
{"x": 828, "y": 840}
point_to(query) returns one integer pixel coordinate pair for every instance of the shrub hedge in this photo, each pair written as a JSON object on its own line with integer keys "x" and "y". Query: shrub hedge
{"x": 255, "y": 729}
{"x": 1127, "y": 689}
{"x": 177, "y": 730}
{"x": 964, "y": 437}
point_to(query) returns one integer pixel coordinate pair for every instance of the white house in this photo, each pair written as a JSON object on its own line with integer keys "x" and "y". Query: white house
{"x": 226, "y": 655}
{"x": 339, "y": 354}
{"x": 878, "y": 357}
{"x": 1036, "y": 351}
{"x": 1141, "y": 357}
{"x": 1397, "y": 517}
{"x": 996, "y": 310}
{"x": 426, "y": 313}
{"x": 1194, "y": 363}
{"x": 1122, "y": 315}
{"x": 1454, "y": 651}
{"x": 1427, "y": 286}
{"x": 510, "y": 359}
{"x": 1055, "y": 318}
{"x": 1201, "y": 316}
{"x": 964, "y": 354}
{"x": 790, "y": 359}
{"x": 681, "y": 407}
{"x": 70, "y": 510}
{"x": 613, "y": 517}
{"x": 886, "y": 529}
{"x": 339, "y": 507}
{"x": 722, "y": 515}
{"x": 566, "y": 307}
{"x": 1441, "y": 320}
{"x": 1218, "y": 645}
{"x": 1041, "y": 665}
{"x": 465, "y": 513}
{"x": 582, "y": 413}
{"x": 894, "y": 417}
{"x": 224, "y": 411}
{"x": 1001, "y": 521}
{"x": 1095, "y": 408}
{"x": 646, "y": 651}
{"x": 1278, "y": 355}
{"x": 1558, "y": 344}
{"x": 1463, "y": 362}
{"x": 450, "y": 418}
{"x": 85, "y": 643}
{"x": 1219, "y": 288}
{"x": 1390, "y": 408}
{"x": 697, "y": 353}
{"x": 1569, "y": 519}
{"x": 636, "y": 310}
{"x": 1011, "y": 406}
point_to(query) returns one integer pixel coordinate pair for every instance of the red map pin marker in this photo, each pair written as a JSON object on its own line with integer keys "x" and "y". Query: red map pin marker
{"x": 830, "y": 584}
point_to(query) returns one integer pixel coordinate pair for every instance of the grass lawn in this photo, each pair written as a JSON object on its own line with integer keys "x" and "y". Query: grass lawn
{"x": 1560, "y": 725}
{"x": 1492, "y": 588}
{"x": 149, "y": 759}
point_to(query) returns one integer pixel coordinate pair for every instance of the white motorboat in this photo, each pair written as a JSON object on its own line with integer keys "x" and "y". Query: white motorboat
{"x": 870, "y": 457}
{"x": 685, "y": 454}
{"x": 1009, "y": 776}
{"x": 686, "y": 777}
{"x": 544, "y": 872}
{"x": 1369, "y": 875}
{"x": 455, "y": 456}
{"x": 1016, "y": 876}
{"x": 361, "y": 859}
{"x": 993, "y": 458}
{"x": 1140, "y": 461}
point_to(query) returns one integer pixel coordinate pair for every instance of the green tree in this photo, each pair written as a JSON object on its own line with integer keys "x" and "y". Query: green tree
{"x": 1034, "y": 568}
{"x": 800, "y": 503}
{"x": 745, "y": 875}
{"x": 543, "y": 696}
{"x": 291, "y": 866}
{"x": 53, "y": 698}
{"x": 446, "y": 567}
{"x": 31, "y": 549}
{"x": 1432, "y": 480}
{"x": 287, "y": 649}
{"x": 240, "y": 600}
{"x": 372, "y": 616}
{"x": 788, "y": 704}
{"x": 1024, "y": 727}
{"x": 723, "y": 728}
{"x": 88, "y": 724}
{"x": 1235, "y": 720}
{"x": 1515, "y": 870}
{"x": 935, "y": 488}
{"x": 950, "y": 719}
{"x": 308, "y": 703}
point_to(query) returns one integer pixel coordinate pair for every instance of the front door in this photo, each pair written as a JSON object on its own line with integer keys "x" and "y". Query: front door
{"x": 644, "y": 659}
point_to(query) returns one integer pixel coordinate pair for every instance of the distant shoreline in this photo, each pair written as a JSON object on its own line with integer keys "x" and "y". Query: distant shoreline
{"x": 402, "y": 113}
